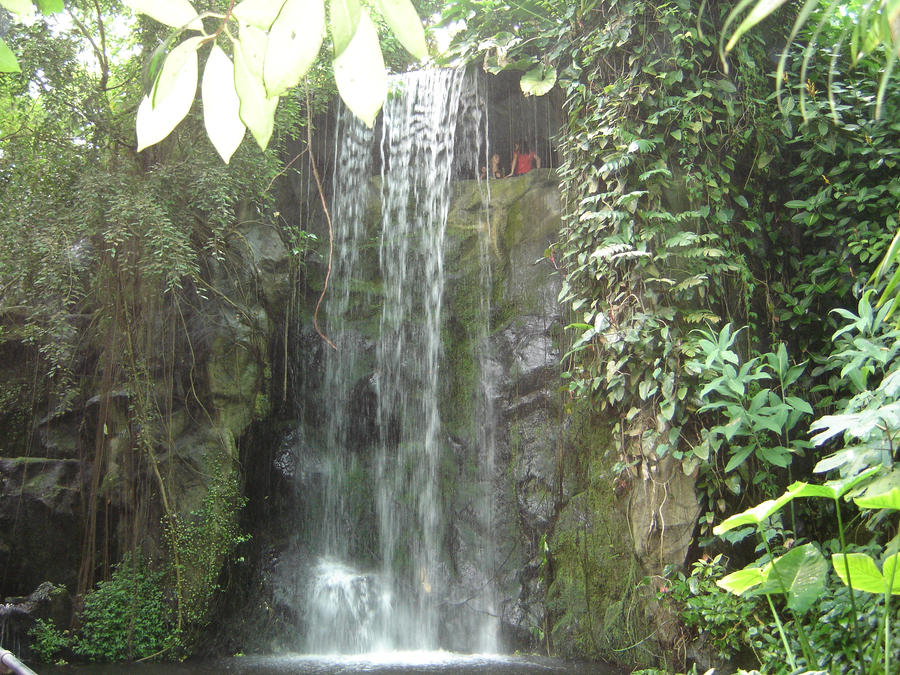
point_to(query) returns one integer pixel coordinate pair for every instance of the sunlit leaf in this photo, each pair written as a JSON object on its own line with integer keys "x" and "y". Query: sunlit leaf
{"x": 50, "y": 6}
{"x": 754, "y": 515}
{"x": 344, "y": 16}
{"x": 8, "y": 62}
{"x": 171, "y": 69}
{"x": 156, "y": 120}
{"x": 743, "y": 580}
{"x": 406, "y": 26}
{"x": 538, "y": 81}
{"x": 885, "y": 500}
{"x": 294, "y": 41}
{"x": 221, "y": 105}
{"x": 22, "y": 8}
{"x": 174, "y": 13}
{"x": 257, "y": 109}
{"x": 258, "y": 13}
{"x": 359, "y": 72}
{"x": 864, "y": 573}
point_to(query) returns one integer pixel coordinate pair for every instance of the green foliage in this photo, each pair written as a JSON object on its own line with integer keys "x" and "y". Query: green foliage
{"x": 47, "y": 640}
{"x": 199, "y": 543}
{"x": 754, "y": 424}
{"x": 126, "y": 617}
{"x": 715, "y": 617}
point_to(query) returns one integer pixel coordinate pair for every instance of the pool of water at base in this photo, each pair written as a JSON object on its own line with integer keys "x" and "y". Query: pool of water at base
{"x": 407, "y": 663}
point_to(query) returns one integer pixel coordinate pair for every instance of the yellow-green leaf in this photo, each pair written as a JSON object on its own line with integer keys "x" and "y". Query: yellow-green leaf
{"x": 294, "y": 41}
{"x": 743, "y": 580}
{"x": 257, "y": 109}
{"x": 344, "y": 16}
{"x": 22, "y": 8}
{"x": 406, "y": 26}
{"x": 538, "y": 81}
{"x": 172, "y": 67}
{"x": 259, "y": 13}
{"x": 174, "y": 13}
{"x": 359, "y": 72}
{"x": 885, "y": 500}
{"x": 50, "y": 6}
{"x": 864, "y": 574}
{"x": 760, "y": 11}
{"x": 155, "y": 120}
{"x": 8, "y": 62}
{"x": 221, "y": 105}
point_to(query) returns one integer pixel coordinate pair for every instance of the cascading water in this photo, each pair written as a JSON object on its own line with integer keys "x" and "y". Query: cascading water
{"x": 431, "y": 130}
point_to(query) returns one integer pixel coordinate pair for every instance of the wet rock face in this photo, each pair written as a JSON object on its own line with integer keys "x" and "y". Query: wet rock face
{"x": 40, "y": 511}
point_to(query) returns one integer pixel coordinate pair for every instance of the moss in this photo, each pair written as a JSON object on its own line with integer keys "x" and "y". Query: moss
{"x": 594, "y": 598}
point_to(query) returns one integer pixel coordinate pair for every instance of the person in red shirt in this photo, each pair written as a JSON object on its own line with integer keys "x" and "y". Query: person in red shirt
{"x": 523, "y": 158}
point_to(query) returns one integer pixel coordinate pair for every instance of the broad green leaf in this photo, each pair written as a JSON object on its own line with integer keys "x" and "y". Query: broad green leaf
{"x": 174, "y": 13}
{"x": 22, "y": 8}
{"x": 344, "y": 20}
{"x": 406, "y": 26}
{"x": 258, "y": 13}
{"x": 885, "y": 500}
{"x": 359, "y": 72}
{"x": 800, "y": 573}
{"x": 294, "y": 41}
{"x": 50, "y": 6}
{"x": 833, "y": 489}
{"x": 257, "y": 109}
{"x": 864, "y": 574}
{"x": 779, "y": 456}
{"x": 221, "y": 105}
{"x": 743, "y": 580}
{"x": 891, "y": 574}
{"x": 175, "y": 62}
{"x": 754, "y": 515}
{"x": 538, "y": 81}
{"x": 156, "y": 120}
{"x": 8, "y": 62}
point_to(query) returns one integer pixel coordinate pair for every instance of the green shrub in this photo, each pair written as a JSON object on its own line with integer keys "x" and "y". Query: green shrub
{"x": 48, "y": 640}
{"x": 126, "y": 617}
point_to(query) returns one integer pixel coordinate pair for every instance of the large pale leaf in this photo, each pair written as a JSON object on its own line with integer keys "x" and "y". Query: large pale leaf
{"x": 833, "y": 489}
{"x": 221, "y": 105}
{"x": 8, "y": 62}
{"x": 175, "y": 62}
{"x": 800, "y": 573}
{"x": 743, "y": 580}
{"x": 405, "y": 24}
{"x": 174, "y": 13}
{"x": 884, "y": 500}
{"x": 359, "y": 72}
{"x": 538, "y": 81}
{"x": 20, "y": 7}
{"x": 156, "y": 120}
{"x": 257, "y": 109}
{"x": 294, "y": 41}
{"x": 891, "y": 574}
{"x": 754, "y": 515}
{"x": 344, "y": 16}
{"x": 50, "y": 6}
{"x": 259, "y": 13}
{"x": 864, "y": 573}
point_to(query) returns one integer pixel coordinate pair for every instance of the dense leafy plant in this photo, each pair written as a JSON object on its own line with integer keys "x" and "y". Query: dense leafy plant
{"x": 126, "y": 617}
{"x": 48, "y": 640}
{"x": 715, "y": 618}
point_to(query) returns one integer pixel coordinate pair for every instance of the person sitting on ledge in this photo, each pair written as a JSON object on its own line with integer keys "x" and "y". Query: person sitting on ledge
{"x": 523, "y": 158}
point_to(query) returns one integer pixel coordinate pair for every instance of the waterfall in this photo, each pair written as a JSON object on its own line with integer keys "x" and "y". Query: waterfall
{"x": 389, "y": 595}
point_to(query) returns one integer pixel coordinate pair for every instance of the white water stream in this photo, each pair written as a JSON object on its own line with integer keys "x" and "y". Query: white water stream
{"x": 396, "y": 604}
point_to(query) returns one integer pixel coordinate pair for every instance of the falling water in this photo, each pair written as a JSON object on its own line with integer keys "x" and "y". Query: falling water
{"x": 430, "y": 133}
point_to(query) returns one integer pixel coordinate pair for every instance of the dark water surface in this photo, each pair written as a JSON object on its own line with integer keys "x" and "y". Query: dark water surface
{"x": 387, "y": 662}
